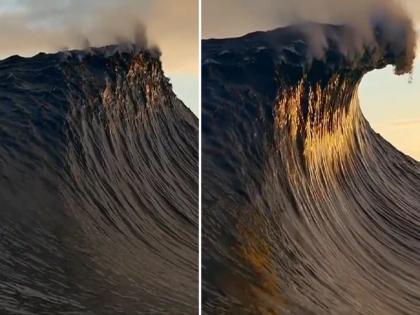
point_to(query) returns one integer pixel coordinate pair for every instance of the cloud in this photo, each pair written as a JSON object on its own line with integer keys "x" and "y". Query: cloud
{"x": 237, "y": 17}
{"x": 404, "y": 123}
{"x": 30, "y": 26}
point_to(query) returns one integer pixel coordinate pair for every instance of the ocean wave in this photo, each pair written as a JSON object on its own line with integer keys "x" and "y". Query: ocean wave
{"x": 306, "y": 209}
{"x": 98, "y": 186}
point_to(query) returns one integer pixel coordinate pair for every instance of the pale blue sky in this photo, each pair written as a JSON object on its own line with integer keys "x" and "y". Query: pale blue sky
{"x": 186, "y": 88}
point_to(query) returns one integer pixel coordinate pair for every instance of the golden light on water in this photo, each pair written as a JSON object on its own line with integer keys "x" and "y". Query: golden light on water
{"x": 330, "y": 127}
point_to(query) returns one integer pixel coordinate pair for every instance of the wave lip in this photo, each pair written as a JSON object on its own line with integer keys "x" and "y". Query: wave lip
{"x": 317, "y": 201}
{"x": 98, "y": 178}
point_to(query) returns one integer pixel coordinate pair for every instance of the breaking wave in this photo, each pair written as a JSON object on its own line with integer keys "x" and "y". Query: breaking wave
{"x": 306, "y": 210}
{"x": 98, "y": 186}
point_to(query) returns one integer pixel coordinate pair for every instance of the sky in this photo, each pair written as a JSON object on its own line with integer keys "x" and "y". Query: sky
{"x": 390, "y": 103}
{"x": 30, "y": 26}
{"x": 392, "y": 106}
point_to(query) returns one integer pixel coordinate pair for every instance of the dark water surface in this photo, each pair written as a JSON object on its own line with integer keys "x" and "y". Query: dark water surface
{"x": 98, "y": 187}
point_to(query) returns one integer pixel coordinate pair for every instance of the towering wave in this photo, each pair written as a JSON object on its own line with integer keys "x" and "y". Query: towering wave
{"x": 98, "y": 186}
{"x": 306, "y": 210}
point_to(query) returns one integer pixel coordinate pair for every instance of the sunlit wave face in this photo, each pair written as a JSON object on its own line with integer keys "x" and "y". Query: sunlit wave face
{"x": 325, "y": 119}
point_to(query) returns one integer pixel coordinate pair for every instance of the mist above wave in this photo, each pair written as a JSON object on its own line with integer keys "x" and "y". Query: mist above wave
{"x": 387, "y": 32}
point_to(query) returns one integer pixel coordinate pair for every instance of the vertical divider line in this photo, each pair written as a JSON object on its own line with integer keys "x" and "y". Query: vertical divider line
{"x": 199, "y": 161}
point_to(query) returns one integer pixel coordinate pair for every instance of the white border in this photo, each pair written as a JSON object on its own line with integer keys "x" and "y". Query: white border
{"x": 199, "y": 159}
